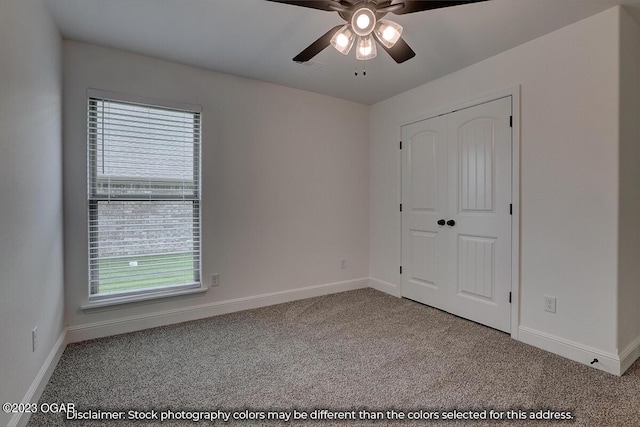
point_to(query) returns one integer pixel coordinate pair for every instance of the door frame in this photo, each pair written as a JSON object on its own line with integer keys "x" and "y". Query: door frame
{"x": 514, "y": 93}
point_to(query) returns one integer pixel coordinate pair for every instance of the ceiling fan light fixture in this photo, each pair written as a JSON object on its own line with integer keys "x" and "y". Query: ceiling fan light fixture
{"x": 388, "y": 32}
{"x": 363, "y": 21}
{"x": 362, "y": 17}
{"x": 366, "y": 48}
{"x": 343, "y": 40}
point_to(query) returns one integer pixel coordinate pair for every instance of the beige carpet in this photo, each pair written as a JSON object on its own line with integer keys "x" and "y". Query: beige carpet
{"x": 354, "y": 351}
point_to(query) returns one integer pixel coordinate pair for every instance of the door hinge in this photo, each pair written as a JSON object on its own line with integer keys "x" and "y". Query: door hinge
{"x": 509, "y": 297}
{"x": 510, "y": 208}
{"x": 400, "y": 207}
{"x": 511, "y": 121}
{"x": 401, "y": 145}
{"x": 400, "y": 269}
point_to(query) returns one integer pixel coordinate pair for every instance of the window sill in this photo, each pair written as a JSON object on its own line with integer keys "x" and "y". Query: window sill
{"x": 137, "y": 298}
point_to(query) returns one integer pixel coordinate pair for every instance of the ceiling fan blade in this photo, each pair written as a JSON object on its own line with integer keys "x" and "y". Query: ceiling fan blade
{"x": 312, "y": 4}
{"x": 400, "y": 52}
{"x": 412, "y": 6}
{"x": 317, "y": 46}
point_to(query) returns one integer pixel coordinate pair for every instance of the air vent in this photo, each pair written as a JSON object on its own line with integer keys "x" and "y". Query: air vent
{"x": 316, "y": 65}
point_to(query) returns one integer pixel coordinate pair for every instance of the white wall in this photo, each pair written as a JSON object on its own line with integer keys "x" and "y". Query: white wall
{"x": 569, "y": 174}
{"x": 31, "y": 245}
{"x": 285, "y": 180}
{"x": 629, "y": 226}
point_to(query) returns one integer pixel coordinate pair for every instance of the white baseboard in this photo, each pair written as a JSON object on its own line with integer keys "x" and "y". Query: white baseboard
{"x": 167, "y": 317}
{"x": 386, "y": 287}
{"x": 40, "y": 382}
{"x": 629, "y": 355}
{"x": 577, "y": 352}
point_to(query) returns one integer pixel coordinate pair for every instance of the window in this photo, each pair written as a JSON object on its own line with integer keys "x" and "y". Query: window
{"x": 144, "y": 198}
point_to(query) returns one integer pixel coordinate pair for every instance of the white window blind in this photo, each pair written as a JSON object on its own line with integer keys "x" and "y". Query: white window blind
{"x": 144, "y": 198}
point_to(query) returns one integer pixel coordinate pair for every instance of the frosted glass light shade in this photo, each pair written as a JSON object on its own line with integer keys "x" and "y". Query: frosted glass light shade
{"x": 388, "y": 32}
{"x": 343, "y": 40}
{"x": 363, "y": 21}
{"x": 366, "y": 48}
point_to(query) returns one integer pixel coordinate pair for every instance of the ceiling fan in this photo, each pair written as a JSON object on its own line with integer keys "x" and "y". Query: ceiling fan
{"x": 365, "y": 26}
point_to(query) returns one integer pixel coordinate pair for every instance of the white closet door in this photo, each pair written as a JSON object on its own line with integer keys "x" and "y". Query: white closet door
{"x": 479, "y": 185}
{"x": 463, "y": 267}
{"x": 424, "y": 203}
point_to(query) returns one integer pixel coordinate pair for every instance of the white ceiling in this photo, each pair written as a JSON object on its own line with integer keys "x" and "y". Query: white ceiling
{"x": 257, "y": 39}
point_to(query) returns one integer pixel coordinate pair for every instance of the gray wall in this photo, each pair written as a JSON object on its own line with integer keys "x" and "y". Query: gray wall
{"x": 285, "y": 178}
{"x": 31, "y": 246}
{"x": 569, "y": 82}
{"x": 629, "y": 223}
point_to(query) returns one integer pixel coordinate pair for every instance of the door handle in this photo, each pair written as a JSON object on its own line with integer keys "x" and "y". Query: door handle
{"x": 441, "y": 222}
{"x": 451, "y": 223}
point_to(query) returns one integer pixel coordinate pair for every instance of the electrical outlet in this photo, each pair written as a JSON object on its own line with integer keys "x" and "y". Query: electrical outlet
{"x": 34, "y": 339}
{"x": 550, "y": 304}
{"x": 215, "y": 279}
{"x": 343, "y": 263}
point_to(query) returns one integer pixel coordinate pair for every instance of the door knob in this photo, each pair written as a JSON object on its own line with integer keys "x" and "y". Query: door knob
{"x": 441, "y": 222}
{"x": 451, "y": 223}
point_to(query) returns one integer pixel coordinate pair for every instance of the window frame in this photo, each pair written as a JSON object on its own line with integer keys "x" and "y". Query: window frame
{"x": 93, "y": 199}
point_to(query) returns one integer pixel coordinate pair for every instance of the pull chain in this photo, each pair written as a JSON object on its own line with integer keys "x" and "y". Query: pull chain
{"x": 364, "y": 70}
